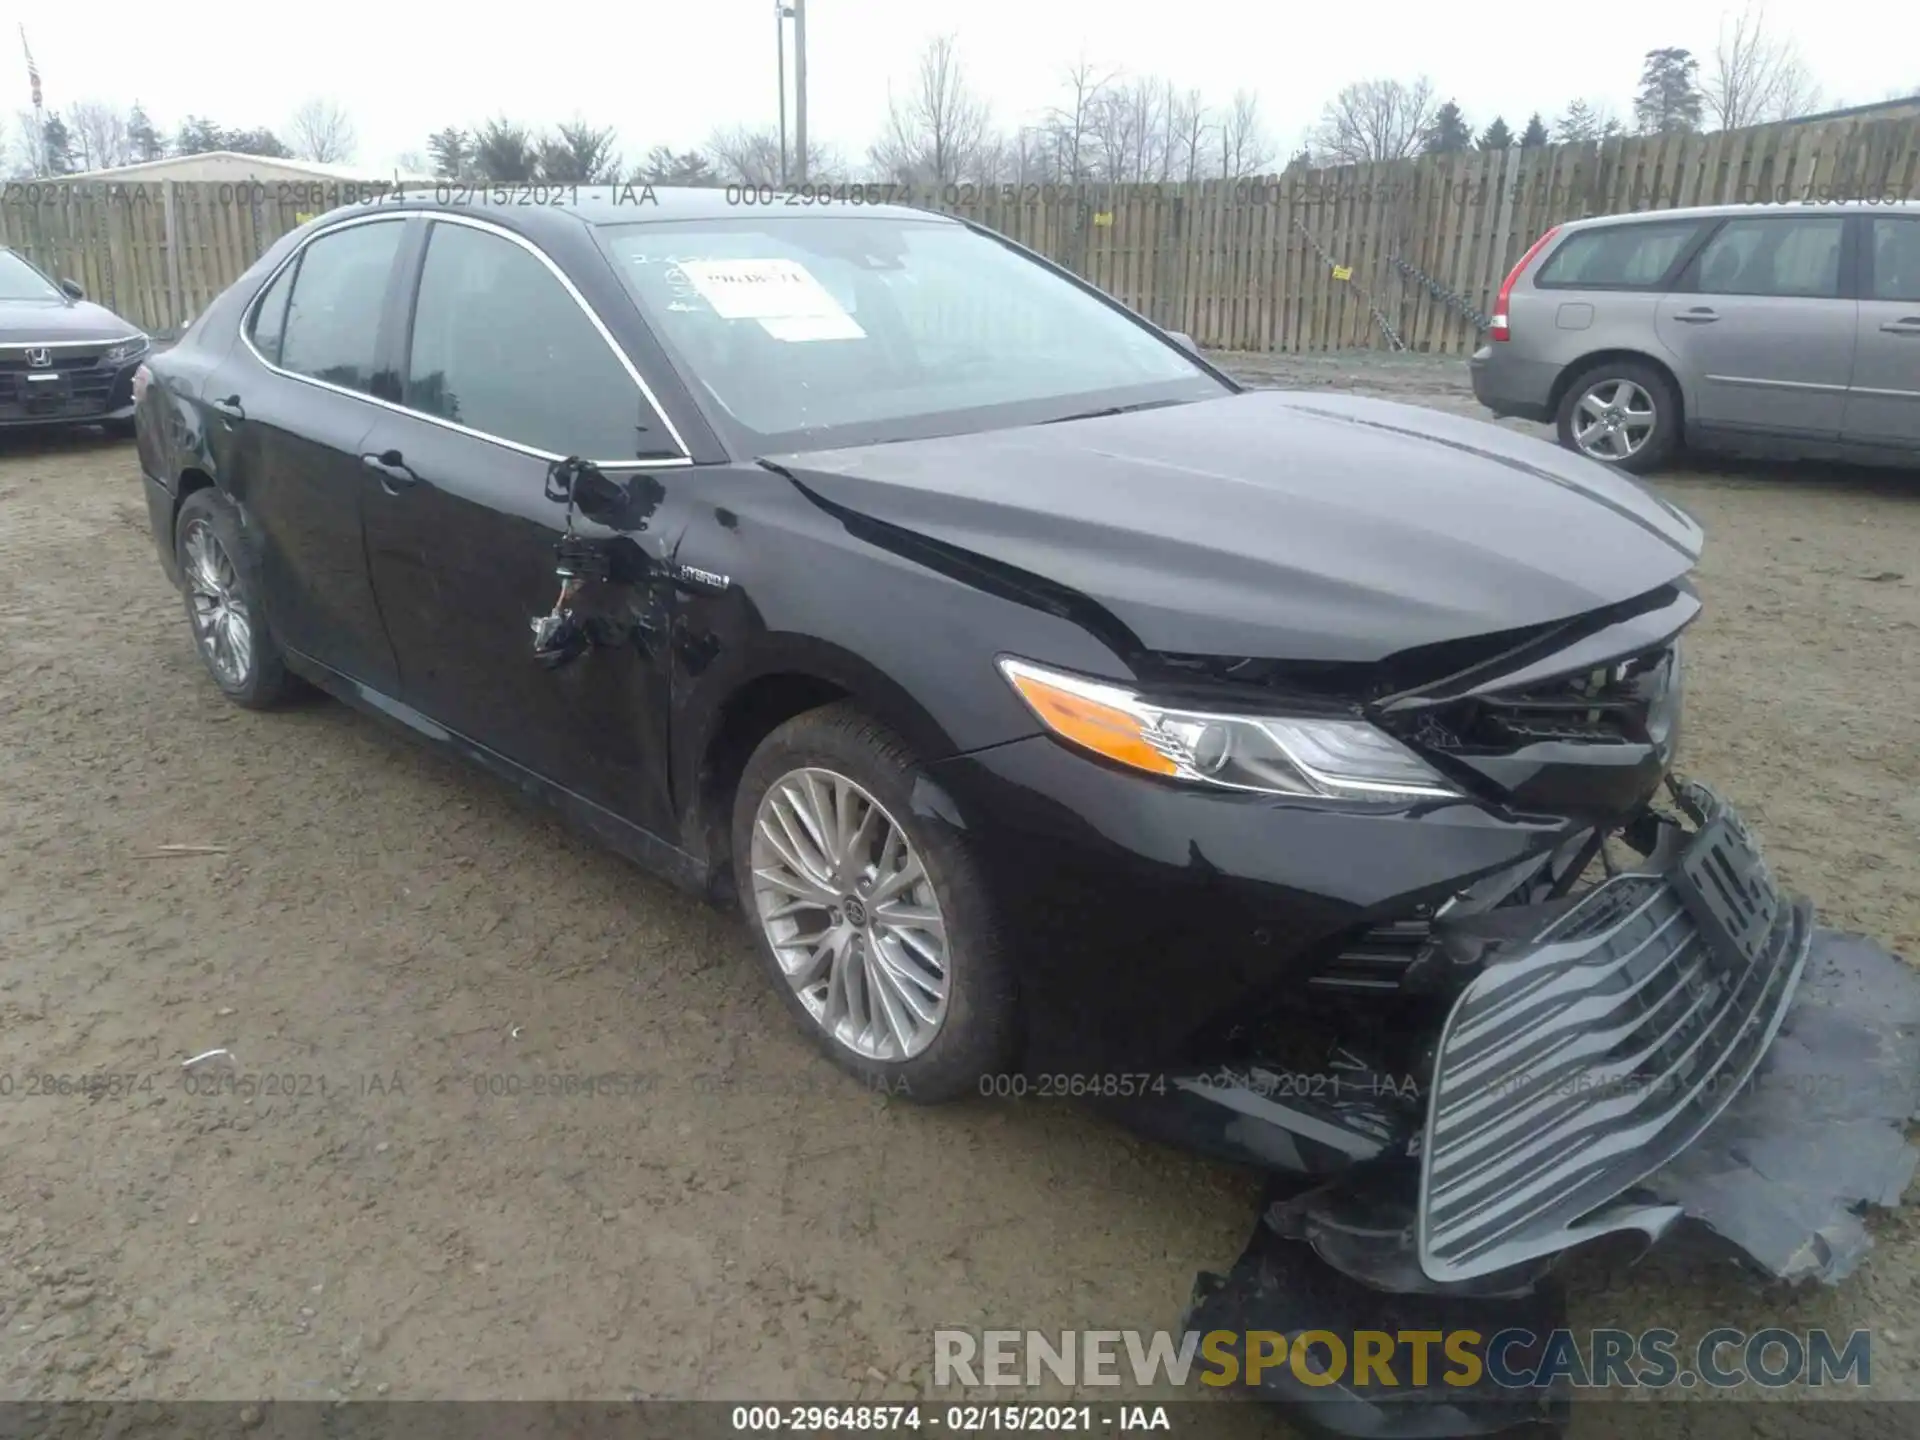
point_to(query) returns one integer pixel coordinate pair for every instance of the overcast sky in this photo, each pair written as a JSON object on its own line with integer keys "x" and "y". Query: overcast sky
{"x": 669, "y": 74}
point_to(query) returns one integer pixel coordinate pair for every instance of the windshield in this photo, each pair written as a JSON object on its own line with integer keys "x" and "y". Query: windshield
{"x": 20, "y": 281}
{"x": 829, "y": 330}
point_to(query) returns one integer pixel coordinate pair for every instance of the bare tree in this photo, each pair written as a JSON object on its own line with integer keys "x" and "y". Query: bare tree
{"x": 321, "y": 131}
{"x": 1190, "y": 128}
{"x": 1373, "y": 120}
{"x": 1755, "y": 77}
{"x": 1072, "y": 123}
{"x": 100, "y": 136}
{"x": 1117, "y": 127}
{"x": 934, "y": 132}
{"x": 992, "y": 162}
{"x": 1244, "y": 147}
{"x": 742, "y": 156}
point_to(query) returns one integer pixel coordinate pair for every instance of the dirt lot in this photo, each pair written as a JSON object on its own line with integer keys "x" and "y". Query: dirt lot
{"x": 389, "y": 937}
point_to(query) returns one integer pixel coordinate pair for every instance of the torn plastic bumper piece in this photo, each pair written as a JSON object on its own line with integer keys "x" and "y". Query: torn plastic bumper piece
{"x": 1818, "y": 1136}
{"x": 1279, "y": 1286}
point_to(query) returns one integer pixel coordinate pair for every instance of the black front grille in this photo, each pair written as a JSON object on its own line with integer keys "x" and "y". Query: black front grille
{"x": 1613, "y": 704}
{"x": 77, "y": 382}
{"x": 1377, "y": 961}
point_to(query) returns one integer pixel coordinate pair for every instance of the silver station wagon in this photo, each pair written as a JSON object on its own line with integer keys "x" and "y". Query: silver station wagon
{"x": 1776, "y": 329}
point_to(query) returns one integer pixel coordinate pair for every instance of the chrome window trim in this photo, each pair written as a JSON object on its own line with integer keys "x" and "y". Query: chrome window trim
{"x": 435, "y": 217}
{"x": 69, "y": 344}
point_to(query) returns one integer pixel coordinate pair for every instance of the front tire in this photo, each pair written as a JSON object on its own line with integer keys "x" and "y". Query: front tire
{"x": 223, "y": 606}
{"x": 1622, "y": 413}
{"x": 874, "y": 921}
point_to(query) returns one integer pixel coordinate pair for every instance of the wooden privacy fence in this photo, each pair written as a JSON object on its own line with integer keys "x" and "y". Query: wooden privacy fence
{"x": 1332, "y": 259}
{"x": 1408, "y": 253}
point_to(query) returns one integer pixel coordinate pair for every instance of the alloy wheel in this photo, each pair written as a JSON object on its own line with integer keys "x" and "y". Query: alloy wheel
{"x": 1613, "y": 420}
{"x": 847, "y": 906}
{"x": 221, "y": 623}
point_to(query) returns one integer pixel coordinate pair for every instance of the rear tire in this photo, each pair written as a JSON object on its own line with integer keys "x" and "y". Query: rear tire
{"x": 1600, "y": 416}
{"x": 217, "y": 581}
{"x": 884, "y": 942}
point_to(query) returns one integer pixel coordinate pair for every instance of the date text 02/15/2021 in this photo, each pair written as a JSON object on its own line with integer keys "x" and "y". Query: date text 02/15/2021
{"x": 959, "y": 1419}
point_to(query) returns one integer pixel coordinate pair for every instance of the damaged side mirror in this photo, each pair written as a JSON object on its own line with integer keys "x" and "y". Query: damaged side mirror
{"x": 585, "y": 489}
{"x": 562, "y": 635}
{"x": 600, "y": 497}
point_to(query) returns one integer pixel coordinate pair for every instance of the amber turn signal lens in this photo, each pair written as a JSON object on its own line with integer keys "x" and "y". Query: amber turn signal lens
{"x": 1106, "y": 729}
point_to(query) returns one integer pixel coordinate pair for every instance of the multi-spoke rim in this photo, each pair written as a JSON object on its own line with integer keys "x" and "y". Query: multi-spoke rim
{"x": 1613, "y": 420}
{"x": 220, "y": 621}
{"x": 846, "y": 904}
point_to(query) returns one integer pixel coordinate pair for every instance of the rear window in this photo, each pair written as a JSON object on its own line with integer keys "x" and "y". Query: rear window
{"x": 1617, "y": 256}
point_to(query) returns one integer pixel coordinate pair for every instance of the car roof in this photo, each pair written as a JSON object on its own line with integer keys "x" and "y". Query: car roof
{"x": 531, "y": 205}
{"x": 1715, "y": 212}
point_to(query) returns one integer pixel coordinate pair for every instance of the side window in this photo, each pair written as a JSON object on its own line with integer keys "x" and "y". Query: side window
{"x": 1617, "y": 256}
{"x": 333, "y": 319}
{"x": 1798, "y": 257}
{"x": 270, "y": 314}
{"x": 1896, "y": 259}
{"x": 501, "y": 347}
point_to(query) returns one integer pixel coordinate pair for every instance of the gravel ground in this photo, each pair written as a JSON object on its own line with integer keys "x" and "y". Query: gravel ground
{"x": 383, "y": 939}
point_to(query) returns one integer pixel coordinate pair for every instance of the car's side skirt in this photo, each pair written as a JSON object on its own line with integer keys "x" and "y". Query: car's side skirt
{"x": 643, "y": 847}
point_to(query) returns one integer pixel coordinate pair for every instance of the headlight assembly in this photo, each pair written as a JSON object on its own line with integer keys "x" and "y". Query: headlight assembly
{"x": 1293, "y": 755}
{"x": 127, "y": 350}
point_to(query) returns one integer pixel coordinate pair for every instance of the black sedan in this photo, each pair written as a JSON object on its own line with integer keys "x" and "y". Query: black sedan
{"x": 63, "y": 359}
{"x": 1040, "y": 697}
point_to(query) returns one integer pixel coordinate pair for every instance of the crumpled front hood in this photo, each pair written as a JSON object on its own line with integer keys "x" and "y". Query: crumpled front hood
{"x": 1295, "y": 526}
{"x": 25, "y": 321}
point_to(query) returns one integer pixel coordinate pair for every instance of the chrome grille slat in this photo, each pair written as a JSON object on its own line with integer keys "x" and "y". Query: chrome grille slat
{"x": 1593, "y": 1157}
{"x": 1632, "y": 1029}
{"x": 1596, "y": 1118}
{"x": 1538, "y": 972}
{"x": 1588, "y": 1005}
{"x": 1597, "y": 1044}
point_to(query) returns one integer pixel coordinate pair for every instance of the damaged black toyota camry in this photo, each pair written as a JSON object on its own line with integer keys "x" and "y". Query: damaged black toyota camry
{"x": 1292, "y": 772}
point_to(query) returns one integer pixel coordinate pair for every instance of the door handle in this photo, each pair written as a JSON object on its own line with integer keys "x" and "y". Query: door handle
{"x": 1906, "y": 325}
{"x": 229, "y": 408}
{"x": 1699, "y": 315}
{"x": 392, "y": 469}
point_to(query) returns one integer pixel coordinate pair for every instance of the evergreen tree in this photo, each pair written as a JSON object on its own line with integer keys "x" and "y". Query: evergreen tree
{"x": 1669, "y": 98}
{"x": 451, "y": 153}
{"x": 142, "y": 137}
{"x": 664, "y": 167}
{"x": 261, "y": 142}
{"x": 1449, "y": 133}
{"x": 1535, "y": 135}
{"x": 58, "y": 147}
{"x": 504, "y": 152}
{"x": 197, "y": 135}
{"x": 1496, "y": 136}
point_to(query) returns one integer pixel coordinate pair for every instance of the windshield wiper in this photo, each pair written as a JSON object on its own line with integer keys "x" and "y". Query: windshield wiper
{"x": 1105, "y": 411}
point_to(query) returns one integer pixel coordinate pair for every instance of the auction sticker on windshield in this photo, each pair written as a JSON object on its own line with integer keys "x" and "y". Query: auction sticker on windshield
{"x": 783, "y": 295}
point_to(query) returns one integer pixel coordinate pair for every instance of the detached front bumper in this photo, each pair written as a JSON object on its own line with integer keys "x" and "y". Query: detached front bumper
{"x": 1680, "y": 1049}
{"x": 1584, "y": 1080}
